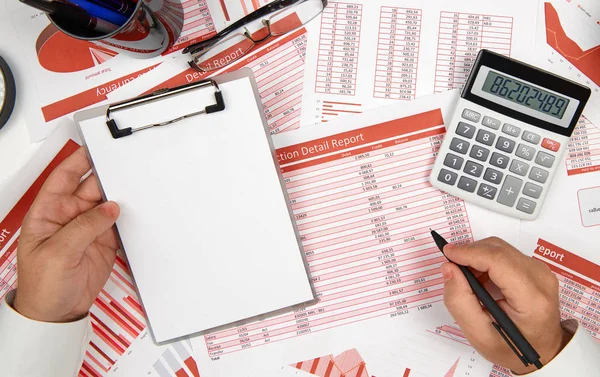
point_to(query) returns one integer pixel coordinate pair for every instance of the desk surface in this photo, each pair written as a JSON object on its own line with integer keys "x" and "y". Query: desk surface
{"x": 15, "y": 147}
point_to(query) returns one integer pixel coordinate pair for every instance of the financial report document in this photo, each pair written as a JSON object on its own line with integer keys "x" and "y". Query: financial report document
{"x": 364, "y": 54}
{"x": 361, "y": 197}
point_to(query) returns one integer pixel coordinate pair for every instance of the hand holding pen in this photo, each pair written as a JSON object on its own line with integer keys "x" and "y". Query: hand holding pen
{"x": 530, "y": 293}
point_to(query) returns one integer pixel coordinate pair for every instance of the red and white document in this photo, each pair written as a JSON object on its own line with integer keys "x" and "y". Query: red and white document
{"x": 362, "y": 200}
{"x": 365, "y": 54}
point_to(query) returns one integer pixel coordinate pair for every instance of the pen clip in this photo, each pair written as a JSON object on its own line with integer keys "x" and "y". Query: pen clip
{"x": 510, "y": 344}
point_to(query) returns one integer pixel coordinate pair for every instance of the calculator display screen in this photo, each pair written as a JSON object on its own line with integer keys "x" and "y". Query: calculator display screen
{"x": 525, "y": 94}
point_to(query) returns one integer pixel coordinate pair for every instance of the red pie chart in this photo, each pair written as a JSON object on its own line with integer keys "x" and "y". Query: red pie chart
{"x": 57, "y": 52}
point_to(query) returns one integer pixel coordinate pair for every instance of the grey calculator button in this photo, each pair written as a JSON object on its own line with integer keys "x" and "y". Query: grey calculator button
{"x": 479, "y": 153}
{"x": 447, "y": 177}
{"x": 467, "y": 184}
{"x": 491, "y": 122}
{"x": 533, "y": 191}
{"x": 505, "y": 144}
{"x": 544, "y": 159}
{"x": 531, "y": 137}
{"x": 509, "y": 191}
{"x": 465, "y": 130}
{"x": 499, "y": 160}
{"x": 459, "y": 145}
{"x": 538, "y": 175}
{"x": 485, "y": 137}
{"x": 473, "y": 169}
{"x": 511, "y": 130}
{"x": 519, "y": 167}
{"x": 471, "y": 115}
{"x": 487, "y": 191}
{"x": 525, "y": 152}
{"x": 493, "y": 176}
{"x": 526, "y": 205}
{"x": 453, "y": 161}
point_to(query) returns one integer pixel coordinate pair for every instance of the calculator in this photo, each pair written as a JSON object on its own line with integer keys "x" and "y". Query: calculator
{"x": 508, "y": 135}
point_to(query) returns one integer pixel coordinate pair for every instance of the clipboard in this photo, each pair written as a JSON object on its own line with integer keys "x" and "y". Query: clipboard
{"x": 206, "y": 223}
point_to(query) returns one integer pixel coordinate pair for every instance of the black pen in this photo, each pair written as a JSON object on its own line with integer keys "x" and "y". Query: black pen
{"x": 73, "y": 14}
{"x": 504, "y": 325}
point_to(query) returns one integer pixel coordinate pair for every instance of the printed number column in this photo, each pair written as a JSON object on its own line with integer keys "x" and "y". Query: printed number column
{"x": 468, "y": 45}
{"x": 581, "y": 302}
{"x": 397, "y": 53}
{"x": 447, "y": 51}
{"x": 460, "y": 38}
{"x": 338, "y": 49}
{"x": 584, "y": 148}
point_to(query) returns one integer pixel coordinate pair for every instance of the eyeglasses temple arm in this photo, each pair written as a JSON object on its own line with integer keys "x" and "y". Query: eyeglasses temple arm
{"x": 259, "y": 13}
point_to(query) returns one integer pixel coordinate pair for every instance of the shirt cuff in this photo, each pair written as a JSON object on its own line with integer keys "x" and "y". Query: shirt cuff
{"x": 31, "y": 348}
{"x": 578, "y": 358}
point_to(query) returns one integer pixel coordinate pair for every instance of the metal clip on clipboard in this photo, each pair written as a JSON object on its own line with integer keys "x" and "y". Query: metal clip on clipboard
{"x": 156, "y": 96}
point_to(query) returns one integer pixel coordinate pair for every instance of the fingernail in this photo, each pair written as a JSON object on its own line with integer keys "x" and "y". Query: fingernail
{"x": 110, "y": 209}
{"x": 446, "y": 272}
{"x": 448, "y": 247}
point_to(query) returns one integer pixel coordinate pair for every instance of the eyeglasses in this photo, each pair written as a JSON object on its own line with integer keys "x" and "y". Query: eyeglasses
{"x": 233, "y": 42}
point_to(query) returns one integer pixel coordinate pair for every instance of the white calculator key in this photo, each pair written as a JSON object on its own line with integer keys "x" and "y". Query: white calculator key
{"x": 538, "y": 175}
{"x": 491, "y": 122}
{"x": 531, "y": 137}
{"x": 511, "y": 130}
{"x": 544, "y": 159}
{"x": 510, "y": 191}
{"x": 519, "y": 167}
{"x": 471, "y": 115}
{"x": 525, "y": 152}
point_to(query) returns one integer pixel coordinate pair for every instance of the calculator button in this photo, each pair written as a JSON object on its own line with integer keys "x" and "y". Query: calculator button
{"x": 505, "y": 144}
{"x": 532, "y": 190}
{"x": 544, "y": 159}
{"x": 467, "y": 184}
{"x": 499, "y": 160}
{"x": 511, "y": 130}
{"x": 509, "y": 191}
{"x": 526, "y": 205}
{"x": 519, "y": 167}
{"x": 493, "y": 176}
{"x": 554, "y": 146}
{"x": 465, "y": 130}
{"x": 447, "y": 177}
{"x": 487, "y": 191}
{"x": 453, "y": 161}
{"x": 485, "y": 137}
{"x": 471, "y": 115}
{"x": 479, "y": 153}
{"x": 538, "y": 175}
{"x": 473, "y": 169}
{"x": 459, "y": 145}
{"x": 531, "y": 137}
{"x": 491, "y": 122}
{"x": 525, "y": 152}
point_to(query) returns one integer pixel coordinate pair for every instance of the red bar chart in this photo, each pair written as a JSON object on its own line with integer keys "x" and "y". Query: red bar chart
{"x": 176, "y": 361}
{"x": 117, "y": 320}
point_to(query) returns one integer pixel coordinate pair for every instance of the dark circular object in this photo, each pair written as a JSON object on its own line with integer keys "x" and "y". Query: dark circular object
{"x": 8, "y": 92}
